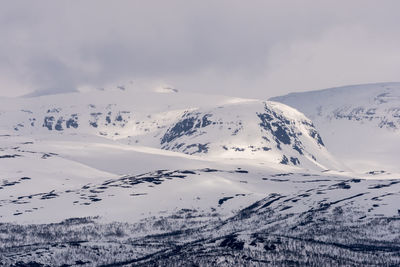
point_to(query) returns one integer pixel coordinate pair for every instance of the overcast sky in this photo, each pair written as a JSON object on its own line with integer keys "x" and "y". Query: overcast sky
{"x": 241, "y": 48}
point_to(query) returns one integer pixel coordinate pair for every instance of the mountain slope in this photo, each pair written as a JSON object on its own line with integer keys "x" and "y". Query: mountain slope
{"x": 360, "y": 124}
{"x": 221, "y": 127}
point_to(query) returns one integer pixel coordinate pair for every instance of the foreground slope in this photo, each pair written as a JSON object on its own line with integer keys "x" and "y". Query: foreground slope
{"x": 360, "y": 124}
{"x": 222, "y": 214}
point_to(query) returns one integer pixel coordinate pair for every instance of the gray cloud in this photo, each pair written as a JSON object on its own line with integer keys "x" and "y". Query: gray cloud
{"x": 244, "y": 48}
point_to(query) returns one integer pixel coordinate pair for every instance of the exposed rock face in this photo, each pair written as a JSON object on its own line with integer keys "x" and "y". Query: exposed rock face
{"x": 257, "y": 129}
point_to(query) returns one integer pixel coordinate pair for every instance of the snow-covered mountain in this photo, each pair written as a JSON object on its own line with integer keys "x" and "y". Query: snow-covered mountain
{"x": 360, "y": 124}
{"x": 163, "y": 178}
{"x": 212, "y": 126}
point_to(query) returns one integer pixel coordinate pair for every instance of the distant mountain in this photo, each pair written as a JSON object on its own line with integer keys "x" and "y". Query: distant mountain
{"x": 360, "y": 124}
{"x": 208, "y": 126}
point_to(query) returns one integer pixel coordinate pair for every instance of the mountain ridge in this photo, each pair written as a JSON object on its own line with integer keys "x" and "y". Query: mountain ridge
{"x": 360, "y": 124}
{"x": 245, "y": 128}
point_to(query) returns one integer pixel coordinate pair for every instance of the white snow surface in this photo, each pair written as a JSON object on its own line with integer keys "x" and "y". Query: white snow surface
{"x": 360, "y": 124}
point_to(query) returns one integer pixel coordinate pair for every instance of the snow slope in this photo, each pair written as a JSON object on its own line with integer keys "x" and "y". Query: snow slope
{"x": 212, "y": 126}
{"x": 360, "y": 124}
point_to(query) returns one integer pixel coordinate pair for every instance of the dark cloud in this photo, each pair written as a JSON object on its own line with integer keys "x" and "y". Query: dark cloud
{"x": 245, "y": 48}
